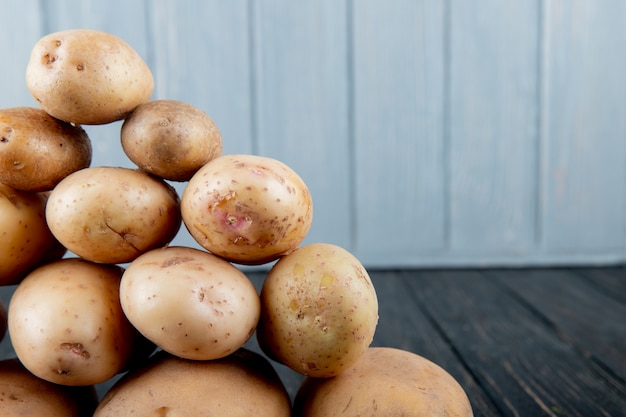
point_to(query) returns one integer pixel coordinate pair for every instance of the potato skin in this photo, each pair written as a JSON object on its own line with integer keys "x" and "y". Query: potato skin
{"x": 67, "y": 325}
{"x": 221, "y": 306}
{"x": 37, "y": 151}
{"x": 170, "y": 139}
{"x": 242, "y": 384}
{"x": 247, "y": 209}
{"x": 24, "y": 394}
{"x": 85, "y": 76}
{"x": 27, "y": 242}
{"x": 113, "y": 214}
{"x": 384, "y": 382}
{"x": 319, "y": 310}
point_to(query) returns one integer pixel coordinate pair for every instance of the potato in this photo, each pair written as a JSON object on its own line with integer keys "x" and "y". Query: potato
{"x": 247, "y": 209}
{"x": 221, "y": 306}
{"x": 67, "y": 325}
{"x": 26, "y": 239}
{"x": 37, "y": 150}
{"x": 170, "y": 139}
{"x": 385, "y": 381}
{"x": 242, "y": 384}
{"x": 24, "y": 394}
{"x": 113, "y": 214}
{"x": 86, "y": 76}
{"x": 319, "y": 310}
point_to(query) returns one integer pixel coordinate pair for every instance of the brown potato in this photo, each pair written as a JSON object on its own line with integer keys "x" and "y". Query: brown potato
{"x": 26, "y": 239}
{"x": 170, "y": 139}
{"x": 319, "y": 310}
{"x": 384, "y": 382}
{"x": 22, "y": 394}
{"x": 85, "y": 76}
{"x": 247, "y": 209}
{"x": 242, "y": 384}
{"x": 67, "y": 325}
{"x": 221, "y": 310}
{"x": 113, "y": 214}
{"x": 37, "y": 150}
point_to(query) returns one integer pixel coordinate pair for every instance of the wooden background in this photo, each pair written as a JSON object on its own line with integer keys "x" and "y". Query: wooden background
{"x": 430, "y": 132}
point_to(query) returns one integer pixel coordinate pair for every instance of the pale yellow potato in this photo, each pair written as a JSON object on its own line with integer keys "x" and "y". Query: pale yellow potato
{"x": 242, "y": 384}
{"x": 385, "y": 382}
{"x": 190, "y": 303}
{"x": 170, "y": 139}
{"x": 247, "y": 209}
{"x": 37, "y": 150}
{"x": 67, "y": 325}
{"x": 319, "y": 310}
{"x": 22, "y": 394}
{"x": 86, "y": 76}
{"x": 113, "y": 214}
{"x": 26, "y": 239}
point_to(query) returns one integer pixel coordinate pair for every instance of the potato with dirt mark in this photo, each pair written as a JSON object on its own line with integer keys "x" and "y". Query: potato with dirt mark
{"x": 247, "y": 209}
{"x": 319, "y": 310}
{"x": 86, "y": 76}
{"x": 385, "y": 381}
{"x": 112, "y": 214}
{"x": 189, "y": 302}
{"x": 27, "y": 242}
{"x": 67, "y": 325}
{"x": 37, "y": 151}
{"x": 170, "y": 139}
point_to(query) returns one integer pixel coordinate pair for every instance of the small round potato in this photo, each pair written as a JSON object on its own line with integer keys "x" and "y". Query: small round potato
{"x": 22, "y": 394}
{"x": 37, "y": 150}
{"x": 242, "y": 384}
{"x": 247, "y": 209}
{"x": 67, "y": 325}
{"x": 221, "y": 306}
{"x": 319, "y": 310}
{"x": 113, "y": 214}
{"x": 384, "y": 382}
{"x": 170, "y": 139}
{"x": 26, "y": 239}
{"x": 85, "y": 76}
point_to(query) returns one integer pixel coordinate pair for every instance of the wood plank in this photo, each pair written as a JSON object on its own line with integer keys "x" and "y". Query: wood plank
{"x": 20, "y": 30}
{"x": 610, "y": 280}
{"x": 584, "y": 193}
{"x": 524, "y": 366}
{"x": 398, "y": 105}
{"x": 301, "y": 103}
{"x": 589, "y": 319}
{"x": 493, "y": 106}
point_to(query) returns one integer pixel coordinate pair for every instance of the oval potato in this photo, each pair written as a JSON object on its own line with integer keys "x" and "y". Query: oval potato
{"x": 319, "y": 310}
{"x": 221, "y": 306}
{"x": 67, "y": 325}
{"x": 242, "y": 384}
{"x": 385, "y": 381}
{"x": 113, "y": 214}
{"x": 86, "y": 76}
{"x": 170, "y": 139}
{"x": 37, "y": 151}
{"x": 247, "y": 209}
{"x": 27, "y": 242}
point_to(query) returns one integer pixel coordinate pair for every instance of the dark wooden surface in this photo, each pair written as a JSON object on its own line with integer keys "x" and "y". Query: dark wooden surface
{"x": 522, "y": 342}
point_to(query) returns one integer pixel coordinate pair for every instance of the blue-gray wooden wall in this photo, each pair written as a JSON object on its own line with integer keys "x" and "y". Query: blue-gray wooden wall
{"x": 430, "y": 132}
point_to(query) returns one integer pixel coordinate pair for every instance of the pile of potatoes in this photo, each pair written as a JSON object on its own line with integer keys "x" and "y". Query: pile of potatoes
{"x": 100, "y": 292}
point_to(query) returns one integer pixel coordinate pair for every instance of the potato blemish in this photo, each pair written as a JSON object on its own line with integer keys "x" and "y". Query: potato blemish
{"x": 76, "y": 348}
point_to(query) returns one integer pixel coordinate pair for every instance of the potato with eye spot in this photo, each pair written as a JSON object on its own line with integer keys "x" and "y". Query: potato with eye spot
{"x": 319, "y": 310}
{"x": 190, "y": 303}
{"x": 86, "y": 76}
{"x": 113, "y": 214}
{"x": 37, "y": 151}
{"x": 67, "y": 325}
{"x": 170, "y": 139}
{"x": 247, "y": 209}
